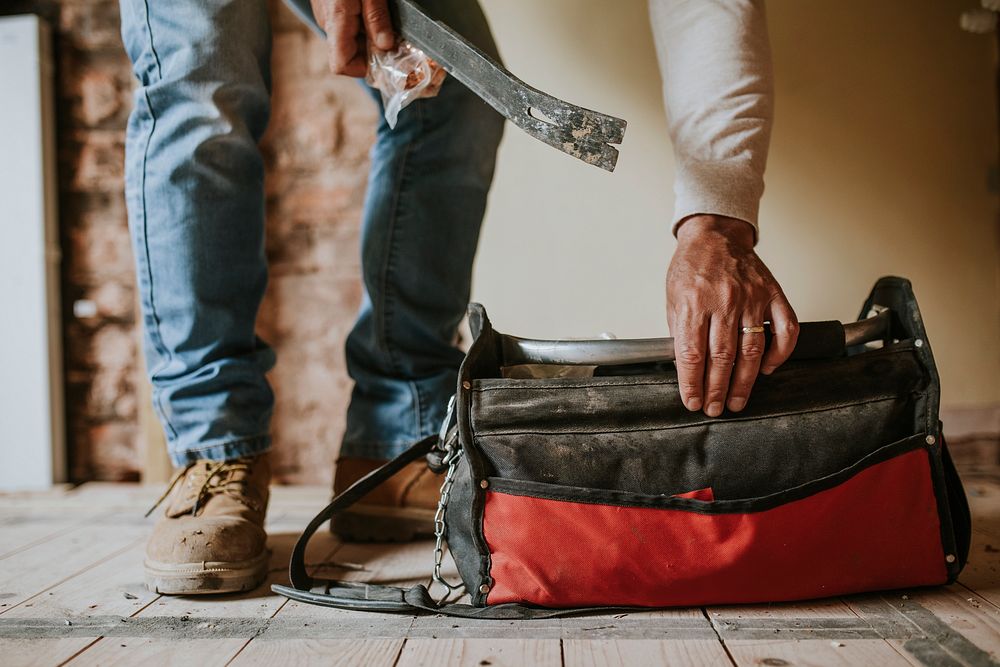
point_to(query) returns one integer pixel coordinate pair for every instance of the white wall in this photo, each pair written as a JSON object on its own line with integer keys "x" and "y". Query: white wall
{"x": 885, "y": 132}
{"x": 32, "y": 442}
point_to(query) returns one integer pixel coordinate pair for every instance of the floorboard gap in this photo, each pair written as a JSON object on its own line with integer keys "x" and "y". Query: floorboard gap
{"x": 708, "y": 617}
{"x": 79, "y": 653}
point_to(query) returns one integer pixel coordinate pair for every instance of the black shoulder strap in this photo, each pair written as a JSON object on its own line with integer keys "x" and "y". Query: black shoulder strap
{"x": 375, "y": 597}
{"x": 297, "y": 574}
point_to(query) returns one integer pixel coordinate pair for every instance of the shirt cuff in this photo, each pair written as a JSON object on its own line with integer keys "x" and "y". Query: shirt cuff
{"x": 728, "y": 189}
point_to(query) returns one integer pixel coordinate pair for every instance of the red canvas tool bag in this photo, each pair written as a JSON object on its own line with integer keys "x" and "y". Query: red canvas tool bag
{"x": 566, "y": 494}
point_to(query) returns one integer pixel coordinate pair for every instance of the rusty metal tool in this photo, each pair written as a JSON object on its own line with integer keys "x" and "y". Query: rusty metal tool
{"x": 586, "y": 135}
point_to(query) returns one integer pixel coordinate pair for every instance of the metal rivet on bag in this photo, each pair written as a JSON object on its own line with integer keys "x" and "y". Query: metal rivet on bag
{"x": 930, "y": 440}
{"x": 484, "y": 589}
{"x": 485, "y": 484}
{"x": 950, "y": 558}
{"x": 918, "y": 342}
{"x": 466, "y": 385}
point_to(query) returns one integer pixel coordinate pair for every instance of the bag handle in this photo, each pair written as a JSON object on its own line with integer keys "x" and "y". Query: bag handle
{"x": 817, "y": 340}
{"x": 297, "y": 574}
{"x": 375, "y": 597}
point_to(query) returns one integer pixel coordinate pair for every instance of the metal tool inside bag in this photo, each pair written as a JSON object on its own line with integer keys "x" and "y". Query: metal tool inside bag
{"x": 586, "y": 135}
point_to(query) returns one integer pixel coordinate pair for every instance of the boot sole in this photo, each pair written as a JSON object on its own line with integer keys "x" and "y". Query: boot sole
{"x": 383, "y": 524}
{"x": 206, "y": 577}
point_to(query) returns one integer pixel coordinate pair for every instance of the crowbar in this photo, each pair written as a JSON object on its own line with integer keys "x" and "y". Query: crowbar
{"x": 586, "y": 135}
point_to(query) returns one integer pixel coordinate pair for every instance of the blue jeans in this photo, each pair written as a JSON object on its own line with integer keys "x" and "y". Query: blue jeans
{"x": 194, "y": 192}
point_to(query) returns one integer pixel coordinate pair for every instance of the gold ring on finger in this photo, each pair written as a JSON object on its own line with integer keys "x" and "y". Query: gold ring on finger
{"x": 750, "y": 330}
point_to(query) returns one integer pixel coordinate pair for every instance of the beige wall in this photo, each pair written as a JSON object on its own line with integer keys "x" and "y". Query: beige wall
{"x": 885, "y": 132}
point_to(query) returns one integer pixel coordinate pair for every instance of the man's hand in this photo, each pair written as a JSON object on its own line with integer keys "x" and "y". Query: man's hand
{"x": 348, "y": 25}
{"x": 716, "y": 284}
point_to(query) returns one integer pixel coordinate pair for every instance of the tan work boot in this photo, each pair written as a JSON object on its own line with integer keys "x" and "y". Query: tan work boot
{"x": 399, "y": 510}
{"x": 211, "y": 538}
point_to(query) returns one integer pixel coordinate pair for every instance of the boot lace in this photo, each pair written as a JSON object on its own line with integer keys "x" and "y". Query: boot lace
{"x": 210, "y": 478}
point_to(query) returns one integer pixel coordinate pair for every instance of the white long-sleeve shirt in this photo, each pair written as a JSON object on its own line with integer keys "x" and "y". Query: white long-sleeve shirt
{"x": 715, "y": 60}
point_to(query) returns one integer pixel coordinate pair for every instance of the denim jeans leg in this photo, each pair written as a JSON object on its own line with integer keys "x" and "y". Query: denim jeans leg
{"x": 194, "y": 192}
{"x": 427, "y": 191}
{"x": 426, "y": 197}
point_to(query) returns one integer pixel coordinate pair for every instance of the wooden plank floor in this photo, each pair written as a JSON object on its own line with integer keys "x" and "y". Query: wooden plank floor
{"x": 71, "y": 593}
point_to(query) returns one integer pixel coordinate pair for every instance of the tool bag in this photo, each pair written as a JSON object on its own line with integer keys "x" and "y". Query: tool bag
{"x": 572, "y": 494}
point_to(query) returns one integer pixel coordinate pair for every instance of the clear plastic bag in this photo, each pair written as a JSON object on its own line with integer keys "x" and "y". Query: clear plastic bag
{"x": 402, "y": 75}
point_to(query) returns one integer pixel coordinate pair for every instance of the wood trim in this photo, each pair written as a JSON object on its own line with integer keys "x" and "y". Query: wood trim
{"x": 156, "y": 465}
{"x": 971, "y": 422}
{"x": 973, "y": 435}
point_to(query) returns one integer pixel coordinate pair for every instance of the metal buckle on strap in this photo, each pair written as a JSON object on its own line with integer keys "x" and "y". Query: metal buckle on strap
{"x": 436, "y": 457}
{"x": 449, "y": 416}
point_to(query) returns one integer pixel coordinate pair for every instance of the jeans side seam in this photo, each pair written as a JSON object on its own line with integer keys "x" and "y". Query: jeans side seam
{"x": 383, "y": 307}
{"x": 155, "y": 336}
{"x": 419, "y": 398}
{"x": 152, "y": 47}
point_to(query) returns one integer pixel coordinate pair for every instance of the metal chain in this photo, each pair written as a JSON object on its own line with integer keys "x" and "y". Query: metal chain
{"x": 453, "y": 454}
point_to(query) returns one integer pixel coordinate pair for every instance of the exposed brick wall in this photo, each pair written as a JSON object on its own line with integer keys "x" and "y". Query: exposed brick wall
{"x": 316, "y": 150}
{"x": 316, "y": 153}
{"x": 93, "y": 90}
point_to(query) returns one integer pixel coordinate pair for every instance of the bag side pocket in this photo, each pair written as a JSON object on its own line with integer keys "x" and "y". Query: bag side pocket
{"x": 876, "y": 526}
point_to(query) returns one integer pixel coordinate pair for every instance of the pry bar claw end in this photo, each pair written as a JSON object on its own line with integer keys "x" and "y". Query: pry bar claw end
{"x": 586, "y": 135}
